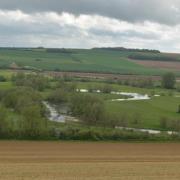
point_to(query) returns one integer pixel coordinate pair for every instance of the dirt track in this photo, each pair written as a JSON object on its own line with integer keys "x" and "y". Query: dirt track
{"x": 55, "y": 160}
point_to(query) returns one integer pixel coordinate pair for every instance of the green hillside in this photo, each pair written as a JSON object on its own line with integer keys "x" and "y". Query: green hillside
{"x": 94, "y": 60}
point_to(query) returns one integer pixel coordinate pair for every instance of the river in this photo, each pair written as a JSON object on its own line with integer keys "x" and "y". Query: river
{"x": 55, "y": 116}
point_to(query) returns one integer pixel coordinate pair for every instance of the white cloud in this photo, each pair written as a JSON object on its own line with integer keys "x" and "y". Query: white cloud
{"x": 51, "y": 29}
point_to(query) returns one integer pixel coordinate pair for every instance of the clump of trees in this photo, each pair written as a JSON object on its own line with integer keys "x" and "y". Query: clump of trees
{"x": 22, "y": 114}
{"x": 58, "y": 96}
{"x": 141, "y": 83}
{"x": 168, "y": 80}
{"x": 101, "y": 134}
{"x": 106, "y": 89}
{"x": 58, "y": 50}
{"x": 168, "y": 123}
{"x": 5, "y": 127}
{"x": 62, "y": 92}
{"x": 128, "y": 49}
{"x": 34, "y": 81}
{"x": 2, "y": 78}
{"x": 88, "y": 108}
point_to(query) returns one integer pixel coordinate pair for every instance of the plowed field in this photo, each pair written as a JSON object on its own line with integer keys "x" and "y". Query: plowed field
{"x": 87, "y": 161}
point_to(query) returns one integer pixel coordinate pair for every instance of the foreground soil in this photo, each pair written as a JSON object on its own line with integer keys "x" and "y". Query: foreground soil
{"x": 87, "y": 161}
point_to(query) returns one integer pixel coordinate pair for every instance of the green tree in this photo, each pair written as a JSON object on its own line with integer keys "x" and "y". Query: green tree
{"x": 33, "y": 124}
{"x": 106, "y": 89}
{"x": 58, "y": 96}
{"x": 34, "y": 81}
{"x": 164, "y": 123}
{"x": 88, "y": 108}
{"x": 2, "y": 79}
{"x": 178, "y": 109}
{"x": 4, "y": 123}
{"x": 168, "y": 81}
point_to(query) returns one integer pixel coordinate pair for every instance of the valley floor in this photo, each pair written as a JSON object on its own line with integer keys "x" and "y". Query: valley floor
{"x": 86, "y": 160}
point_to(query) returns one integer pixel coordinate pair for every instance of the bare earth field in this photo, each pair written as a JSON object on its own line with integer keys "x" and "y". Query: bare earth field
{"x": 174, "y": 66}
{"x": 100, "y": 75}
{"x": 86, "y": 161}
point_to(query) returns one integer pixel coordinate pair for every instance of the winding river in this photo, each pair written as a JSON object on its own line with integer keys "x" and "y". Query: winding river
{"x": 150, "y": 131}
{"x": 131, "y": 96}
{"x": 55, "y": 116}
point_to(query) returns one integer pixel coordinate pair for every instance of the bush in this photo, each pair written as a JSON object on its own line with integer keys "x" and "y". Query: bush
{"x": 178, "y": 87}
{"x": 58, "y": 96}
{"x": 4, "y": 122}
{"x": 2, "y": 79}
{"x": 168, "y": 81}
{"x": 106, "y": 89}
{"x": 164, "y": 123}
{"x": 88, "y": 108}
{"x": 34, "y": 81}
{"x": 102, "y": 134}
{"x": 33, "y": 125}
{"x": 17, "y": 98}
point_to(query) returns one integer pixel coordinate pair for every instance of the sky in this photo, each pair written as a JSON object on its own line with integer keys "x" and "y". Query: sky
{"x": 152, "y": 24}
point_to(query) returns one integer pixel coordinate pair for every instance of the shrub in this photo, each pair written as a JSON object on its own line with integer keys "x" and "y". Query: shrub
{"x": 2, "y": 79}
{"x": 168, "y": 81}
{"x": 106, "y": 89}
{"x": 164, "y": 123}
{"x": 88, "y": 108}
{"x": 58, "y": 96}
{"x": 34, "y": 81}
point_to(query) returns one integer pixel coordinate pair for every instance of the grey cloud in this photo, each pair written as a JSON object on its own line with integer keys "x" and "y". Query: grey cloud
{"x": 163, "y": 11}
{"x": 127, "y": 34}
{"x": 33, "y": 28}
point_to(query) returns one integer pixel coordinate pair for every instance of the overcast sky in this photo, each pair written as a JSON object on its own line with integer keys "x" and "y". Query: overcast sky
{"x": 153, "y": 24}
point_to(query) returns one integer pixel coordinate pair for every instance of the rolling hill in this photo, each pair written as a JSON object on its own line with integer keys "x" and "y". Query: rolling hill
{"x": 99, "y": 60}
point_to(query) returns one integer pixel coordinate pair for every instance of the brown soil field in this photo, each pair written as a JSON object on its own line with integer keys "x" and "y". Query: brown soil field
{"x": 177, "y": 55}
{"x": 174, "y": 66}
{"x": 100, "y": 75}
{"x": 21, "y": 160}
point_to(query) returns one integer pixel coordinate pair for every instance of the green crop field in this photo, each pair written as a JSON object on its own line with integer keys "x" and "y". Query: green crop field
{"x": 95, "y": 60}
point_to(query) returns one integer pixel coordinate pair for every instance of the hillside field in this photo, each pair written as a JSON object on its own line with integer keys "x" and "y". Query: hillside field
{"x": 92, "y": 60}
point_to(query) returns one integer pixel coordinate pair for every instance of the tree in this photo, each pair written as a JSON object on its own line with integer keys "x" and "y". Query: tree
{"x": 168, "y": 81}
{"x": 88, "y": 108}
{"x": 34, "y": 81}
{"x": 4, "y": 123}
{"x": 178, "y": 109}
{"x": 58, "y": 96}
{"x": 2, "y": 79}
{"x": 106, "y": 89}
{"x": 33, "y": 124}
{"x": 164, "y": 123}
